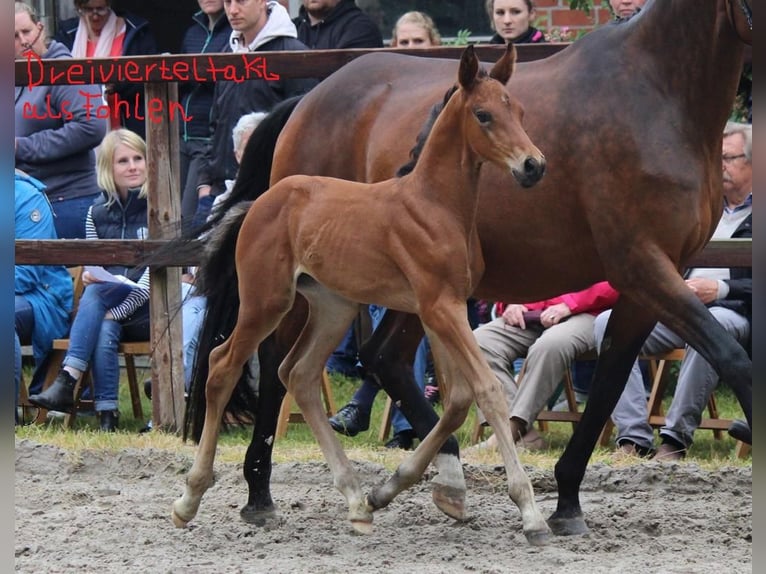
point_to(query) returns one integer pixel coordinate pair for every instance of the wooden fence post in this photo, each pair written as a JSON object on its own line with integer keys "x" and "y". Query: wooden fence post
{"x": 164, "y": 201}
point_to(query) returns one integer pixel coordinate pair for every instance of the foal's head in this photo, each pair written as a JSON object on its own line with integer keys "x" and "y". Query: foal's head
{"x": 492, "y": 122}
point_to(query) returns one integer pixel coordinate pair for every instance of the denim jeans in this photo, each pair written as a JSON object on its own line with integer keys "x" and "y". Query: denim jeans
{"x": 25, "y": 325}
{"x": 192, "y": 314}
{"x": 94, "y": 340}
{"x": 70, "y": 216}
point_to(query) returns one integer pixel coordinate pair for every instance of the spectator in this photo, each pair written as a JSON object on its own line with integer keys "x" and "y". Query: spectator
{"x": 551, "y": 333}
{"x": 55, "y": 137}
{"x": 728, "y": 295}
{"x": 43, "y": 292}
{"x": 336, "y": 24}
{"x": 415, "y": 30}
{"x": 257, "y": 26}
{"x": 209, "y": 33}
{"x": 99, "y": 32}
{"x": 108, "y": 311}
{"x": 512, "y": 22}
{"x": 624, "y": 9}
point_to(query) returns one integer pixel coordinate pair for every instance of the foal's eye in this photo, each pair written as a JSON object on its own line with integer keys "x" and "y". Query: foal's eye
{"x": 483, "y": 116}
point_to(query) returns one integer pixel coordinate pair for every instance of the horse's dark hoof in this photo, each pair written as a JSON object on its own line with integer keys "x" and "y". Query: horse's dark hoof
{"x": 568, "y": 526}
{"x": 258, "y": 517}
{"x": 538, "y": 537}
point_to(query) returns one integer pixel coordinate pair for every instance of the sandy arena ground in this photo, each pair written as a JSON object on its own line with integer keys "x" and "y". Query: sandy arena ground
{"x": 106, "y": 514}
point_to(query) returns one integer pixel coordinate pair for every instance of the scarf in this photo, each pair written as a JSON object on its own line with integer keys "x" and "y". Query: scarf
{"x": 105, "y": 40}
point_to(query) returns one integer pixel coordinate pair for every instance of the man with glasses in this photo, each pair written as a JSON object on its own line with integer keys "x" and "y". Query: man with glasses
{"x": 257, "y": 26}
{"x": 728, "y": 295}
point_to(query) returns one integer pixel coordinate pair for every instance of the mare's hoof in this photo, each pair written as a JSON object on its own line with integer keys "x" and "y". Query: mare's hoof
{"x": 256, "y": 516}
{"x": 567, "y": 526}
{"x": 538, "y": 537}
{"x": 450, "y": 500}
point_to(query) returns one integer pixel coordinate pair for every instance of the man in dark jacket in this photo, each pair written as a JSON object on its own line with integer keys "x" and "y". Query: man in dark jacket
{"x": 208, "y": 34}
{"x": 336, "y": 24}
{"x": 258, "y": 26}
{"x": 728, "y": 293}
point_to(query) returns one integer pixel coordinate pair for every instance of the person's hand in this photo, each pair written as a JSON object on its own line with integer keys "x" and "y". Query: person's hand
{"x": 706, "y": 290}
{"x": 188, "y": 278}
{"x": 555, "y": 314}
{"x": 87, "y": 278}
{"x": 514, "y": 315}
{"x": 108, "y": 316}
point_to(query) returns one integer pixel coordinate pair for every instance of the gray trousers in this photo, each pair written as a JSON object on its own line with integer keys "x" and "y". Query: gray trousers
{"x": 549, "y": 353}
{"x": 696, "y": 382}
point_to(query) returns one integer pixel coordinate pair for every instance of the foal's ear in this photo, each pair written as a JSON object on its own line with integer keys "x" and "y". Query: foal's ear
{"x": 503, "y": 69}
{"x": 469, "y": 68}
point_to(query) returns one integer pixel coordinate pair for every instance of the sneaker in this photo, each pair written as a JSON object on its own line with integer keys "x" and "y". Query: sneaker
{"x": 402, "y": 440}
{"x": 108, "y": 420}
{"x": 740, "y": 430}
{"x": 350, "y": 420}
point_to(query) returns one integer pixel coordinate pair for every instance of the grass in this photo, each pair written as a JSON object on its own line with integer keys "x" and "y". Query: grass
{"x": 299, "y": 443}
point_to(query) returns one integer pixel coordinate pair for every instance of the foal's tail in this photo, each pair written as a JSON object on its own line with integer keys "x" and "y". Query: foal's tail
{"x": 217, "y": 275}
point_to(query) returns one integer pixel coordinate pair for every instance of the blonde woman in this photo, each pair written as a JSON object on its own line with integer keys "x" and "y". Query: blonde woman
{"x": 109, "y": 311}
{"x": 415, "y": 30}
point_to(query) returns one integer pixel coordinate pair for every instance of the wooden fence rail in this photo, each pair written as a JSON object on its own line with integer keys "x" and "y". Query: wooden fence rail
{"x": 160, "y": 75}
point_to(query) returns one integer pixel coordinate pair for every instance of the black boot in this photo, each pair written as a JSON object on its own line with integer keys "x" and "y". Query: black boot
{"x": 108, "y": 420}
{"x": 59, "y": 396}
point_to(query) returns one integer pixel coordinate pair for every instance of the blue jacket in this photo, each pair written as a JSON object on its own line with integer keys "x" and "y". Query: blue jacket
{"x": 197, "y": 97}
{"x": 47, "y": 288}
{"x": 138, "y": 41}
{"x": 55, "y": 137}
{"x": 346, "y": 26}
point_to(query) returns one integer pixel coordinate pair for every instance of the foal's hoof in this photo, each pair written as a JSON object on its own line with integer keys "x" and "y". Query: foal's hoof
{"x": 450, "y": 500}
{"x": 178, "y": 520}
{"x": 257, "y": 516}
{"x": 362, "y": 526}
{"x": 568, "y": 526}
{"x": 538, "y": 537}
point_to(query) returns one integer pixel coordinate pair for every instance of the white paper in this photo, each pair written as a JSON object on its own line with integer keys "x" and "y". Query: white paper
{"x": 101, "y": 274}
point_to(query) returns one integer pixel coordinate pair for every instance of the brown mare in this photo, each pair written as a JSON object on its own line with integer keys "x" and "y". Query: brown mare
{"x": 630, "y": 118}
{"x": 408, "y": 243}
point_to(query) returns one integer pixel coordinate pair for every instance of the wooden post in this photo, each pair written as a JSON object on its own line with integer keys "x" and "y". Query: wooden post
{"x": 164, "y": 223}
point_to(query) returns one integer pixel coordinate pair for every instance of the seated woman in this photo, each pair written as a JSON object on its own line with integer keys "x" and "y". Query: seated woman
{"x": 43, "y": 292}
{"x": 109, "y": 311}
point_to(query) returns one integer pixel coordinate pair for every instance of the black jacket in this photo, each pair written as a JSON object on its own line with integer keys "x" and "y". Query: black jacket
{"x": 197, "y": 97}
{"x": 346, "y": 26}
{"x": 231, "y": 101}
{"x": 138, "y": 41}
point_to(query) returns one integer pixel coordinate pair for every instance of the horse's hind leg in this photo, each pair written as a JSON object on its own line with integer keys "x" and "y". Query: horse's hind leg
{"x": 329, "y": 318}
{"x": 257, "y": 317}
{"x": 388, "y": 355}
{"x": 257, "y": 466}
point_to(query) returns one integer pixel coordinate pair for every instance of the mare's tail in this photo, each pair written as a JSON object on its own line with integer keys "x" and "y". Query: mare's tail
{"x": 217, "y": 275}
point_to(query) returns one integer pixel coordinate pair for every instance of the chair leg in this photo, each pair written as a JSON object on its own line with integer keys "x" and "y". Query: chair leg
{"x": 135, "y": 395}
{"x": 385, "y": 423}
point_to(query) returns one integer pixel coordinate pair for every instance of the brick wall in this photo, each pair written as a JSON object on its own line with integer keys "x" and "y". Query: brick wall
{"x": 555, "y": 15}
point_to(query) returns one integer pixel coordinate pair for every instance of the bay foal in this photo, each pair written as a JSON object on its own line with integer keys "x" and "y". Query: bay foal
{"x": 408, "y": 243}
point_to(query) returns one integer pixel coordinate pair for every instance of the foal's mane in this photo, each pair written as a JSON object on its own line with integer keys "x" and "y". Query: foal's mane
{"x": 420, "y": 141}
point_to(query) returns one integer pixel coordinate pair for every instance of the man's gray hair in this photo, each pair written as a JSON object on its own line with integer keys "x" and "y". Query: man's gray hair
{"x": 244, "y": 124}
{"x": 746, "y": 130}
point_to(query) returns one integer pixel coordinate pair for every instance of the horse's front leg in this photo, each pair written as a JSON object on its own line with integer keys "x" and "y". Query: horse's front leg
{"x": 226, "y": 363}
{"x": 388, "y": 356}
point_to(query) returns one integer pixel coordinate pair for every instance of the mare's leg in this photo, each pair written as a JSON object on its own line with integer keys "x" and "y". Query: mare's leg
{"x": 329, "y": 319}
{"x": 257, "y": 467}
{"x": 460, "y": 363}
{"x": 388, "y": 355}
{"x": 666, "y": 299}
